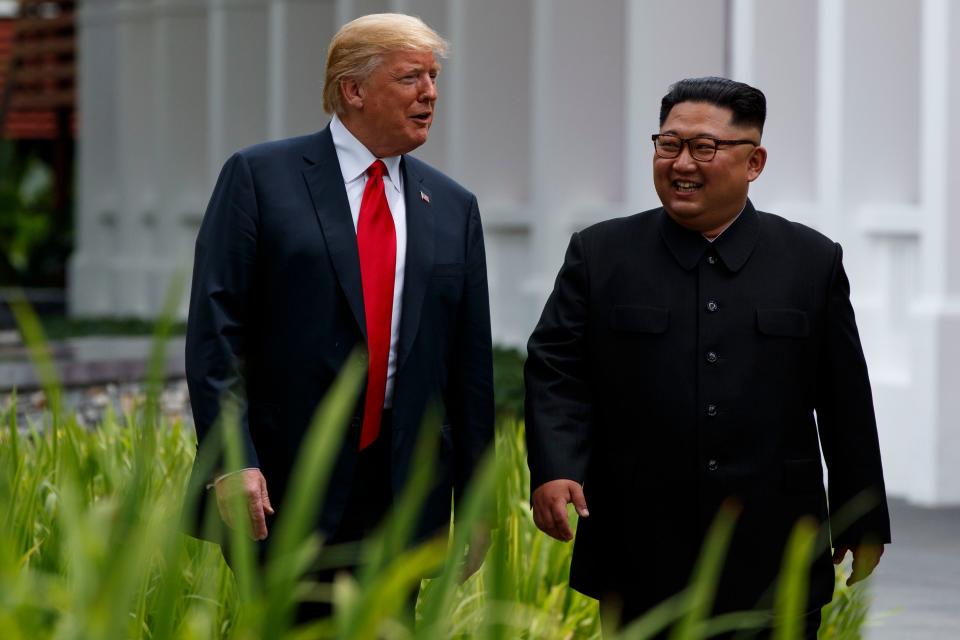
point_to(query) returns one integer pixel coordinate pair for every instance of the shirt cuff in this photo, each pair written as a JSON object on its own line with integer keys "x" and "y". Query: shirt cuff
{"x": 211, "y": 485}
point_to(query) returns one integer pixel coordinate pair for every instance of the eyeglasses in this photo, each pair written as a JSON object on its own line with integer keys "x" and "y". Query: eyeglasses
{"x": 701, "y": 148}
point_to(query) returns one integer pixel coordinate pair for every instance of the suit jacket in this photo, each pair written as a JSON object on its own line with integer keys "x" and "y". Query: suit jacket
{"x": 669, "y": 374}
{"x": 276, "y": 307}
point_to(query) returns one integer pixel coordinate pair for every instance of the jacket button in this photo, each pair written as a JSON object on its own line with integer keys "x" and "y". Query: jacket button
{"x": 712, "y": 465}
{"x": 711, "y": 410}
{"x": 712, "y": 306}
{"x": 711, "y": 259}
{"x": 711, "y": 356}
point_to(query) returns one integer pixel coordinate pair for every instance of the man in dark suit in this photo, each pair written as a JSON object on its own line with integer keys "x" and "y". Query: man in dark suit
{"x": 315, "y": 245}
{"x": 690, "y": 356}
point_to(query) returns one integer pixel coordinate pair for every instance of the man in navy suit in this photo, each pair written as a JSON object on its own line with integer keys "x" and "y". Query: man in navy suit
{"x": 315, "y": 245}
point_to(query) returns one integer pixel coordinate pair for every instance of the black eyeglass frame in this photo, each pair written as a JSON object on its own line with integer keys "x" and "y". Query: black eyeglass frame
{"x": 686, "y": 141}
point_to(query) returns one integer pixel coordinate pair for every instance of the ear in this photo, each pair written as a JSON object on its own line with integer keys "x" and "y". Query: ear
{"x": 352, "y": 92}
{"x": 756, "y": 162}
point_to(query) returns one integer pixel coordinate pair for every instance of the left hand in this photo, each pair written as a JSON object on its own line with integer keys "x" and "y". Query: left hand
{"x": 866, "y": 557}
{"x": 479, "y": 544}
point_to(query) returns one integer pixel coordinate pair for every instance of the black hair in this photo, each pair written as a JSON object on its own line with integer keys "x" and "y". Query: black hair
{"x": 748, "y": 104}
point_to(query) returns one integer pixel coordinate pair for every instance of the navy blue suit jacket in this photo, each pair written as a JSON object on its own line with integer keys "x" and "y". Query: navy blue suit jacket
{"x": 276, "y": 307}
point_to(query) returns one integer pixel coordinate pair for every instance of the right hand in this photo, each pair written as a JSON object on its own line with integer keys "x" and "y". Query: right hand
{"x": 251, "y": 484}
{"x": 550, "y": 502}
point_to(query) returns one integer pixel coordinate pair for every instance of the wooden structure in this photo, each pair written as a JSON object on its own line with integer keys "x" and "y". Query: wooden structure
{"x": 38, "y": 71}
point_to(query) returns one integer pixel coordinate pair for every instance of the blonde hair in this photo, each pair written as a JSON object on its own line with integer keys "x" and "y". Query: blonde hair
{"x": 359, "y": 47}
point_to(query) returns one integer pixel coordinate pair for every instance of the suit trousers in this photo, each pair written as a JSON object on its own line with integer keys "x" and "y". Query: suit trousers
{"x": 370, "y": 499}
{"x": 810, "y": 622}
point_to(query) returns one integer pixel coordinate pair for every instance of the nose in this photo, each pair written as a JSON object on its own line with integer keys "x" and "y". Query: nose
{"x": 428, "y": 91}
{"x": 684, "y": 161}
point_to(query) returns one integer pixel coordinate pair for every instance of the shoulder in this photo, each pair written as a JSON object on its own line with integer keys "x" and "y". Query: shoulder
{"x": 794, "y": 237}
{"x": 278, "y": 150}
{"x": 436, "y": 182}
{"x": 630, "y": 230}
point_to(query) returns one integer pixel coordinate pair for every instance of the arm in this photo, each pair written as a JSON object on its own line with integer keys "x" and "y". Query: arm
{"x": 221, "y": 298}
{"x": 848, "y": 433}
{"x": 471, "y": 372}
{"x": 558, "y": 399}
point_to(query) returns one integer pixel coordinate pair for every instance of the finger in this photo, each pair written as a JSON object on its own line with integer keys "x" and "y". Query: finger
{"x": 579, "y": 500}
{"x": 224, "y": 509}
{"x": 560, "y": 523}
{"x": 544, "y": 522}
{"x": 839, "y": 553}
{"x": 265, "y": 497}
{"x": 258, "y": 521}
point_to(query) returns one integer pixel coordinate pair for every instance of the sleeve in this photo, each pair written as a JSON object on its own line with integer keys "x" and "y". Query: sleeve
{"x": 472, "y": 414}
{"x": 558, "y": 401}
{"x": 848, "y": 426}
{"x": 221, "y": 299}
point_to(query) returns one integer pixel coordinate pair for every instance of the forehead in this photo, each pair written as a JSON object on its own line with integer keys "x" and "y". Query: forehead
{"x": 692, "y": 118}
{"x": 409, "y": 59}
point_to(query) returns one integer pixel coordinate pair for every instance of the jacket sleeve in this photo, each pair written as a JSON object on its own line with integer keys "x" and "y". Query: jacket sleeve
{"x": 848, "y": 426}
{"x": 221, "y": 299}
{"x": 471, "y": 371}
{"x": 558, "y": 401}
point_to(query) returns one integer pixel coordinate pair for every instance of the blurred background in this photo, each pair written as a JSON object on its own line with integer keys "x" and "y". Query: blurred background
{"x": 116, "y": 116}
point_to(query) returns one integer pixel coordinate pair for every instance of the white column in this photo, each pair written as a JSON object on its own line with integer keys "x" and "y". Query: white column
{"x": 300, "y": 31}
{"x": 182, "y": 175}
{"x": 137, "y": 139}
{"x": 653, "y": 28}
{"x": 90, "y": 279}
{"x": 237, "y": 61}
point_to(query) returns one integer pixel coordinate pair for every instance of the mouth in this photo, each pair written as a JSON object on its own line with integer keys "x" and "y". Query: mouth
{"x": 422, "y": 117}
{"x": 686, "y": 186}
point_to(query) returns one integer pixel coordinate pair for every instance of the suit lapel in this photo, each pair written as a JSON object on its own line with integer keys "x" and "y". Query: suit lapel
{"x": 325, "y": 182}
{"x": 420, "y": 251}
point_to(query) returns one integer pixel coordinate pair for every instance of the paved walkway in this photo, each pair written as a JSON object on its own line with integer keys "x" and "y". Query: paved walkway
{"x": 917, "y": 585}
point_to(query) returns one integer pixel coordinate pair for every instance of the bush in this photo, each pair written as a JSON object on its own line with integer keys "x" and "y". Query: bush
{"x": 90, "y": 545}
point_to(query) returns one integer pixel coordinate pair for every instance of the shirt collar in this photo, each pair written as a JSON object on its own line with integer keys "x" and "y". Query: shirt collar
{"x": 355, "y": 158}
{"x": 733, "y": 246}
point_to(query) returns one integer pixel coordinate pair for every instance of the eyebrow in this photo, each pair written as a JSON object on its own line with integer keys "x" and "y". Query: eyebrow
{"x": 698, "y": 135}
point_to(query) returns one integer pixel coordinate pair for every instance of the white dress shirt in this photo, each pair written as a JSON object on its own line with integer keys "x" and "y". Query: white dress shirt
{"x": 355, "y": 159}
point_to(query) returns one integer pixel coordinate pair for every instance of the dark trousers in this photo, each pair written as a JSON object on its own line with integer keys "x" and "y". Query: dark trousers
{"x": 370, "y": 498}
{"x": 627, "y": 613}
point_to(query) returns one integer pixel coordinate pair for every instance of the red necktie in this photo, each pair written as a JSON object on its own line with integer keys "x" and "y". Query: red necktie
{"x": 377, "y": 244}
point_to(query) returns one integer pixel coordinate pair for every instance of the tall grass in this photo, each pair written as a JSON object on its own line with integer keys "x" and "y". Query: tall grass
{"x": 90, "y": 544}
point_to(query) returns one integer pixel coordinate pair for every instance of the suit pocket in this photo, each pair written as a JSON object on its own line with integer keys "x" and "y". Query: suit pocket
{"x": 802, "y": 476}
{"x": 448, "y": 270}
{"x": 640, "y": 319}
{"x": 787, "y": 323}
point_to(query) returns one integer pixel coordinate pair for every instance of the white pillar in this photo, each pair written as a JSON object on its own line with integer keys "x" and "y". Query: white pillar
{"x": 90, "y": 277}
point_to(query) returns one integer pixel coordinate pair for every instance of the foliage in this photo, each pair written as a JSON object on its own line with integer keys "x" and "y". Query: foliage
{"x": 508, "y": 382}
{"x": 26, "y": 213}
{"x": 90, "y": 545}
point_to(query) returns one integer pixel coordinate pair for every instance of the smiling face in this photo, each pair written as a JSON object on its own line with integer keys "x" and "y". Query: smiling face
{"x": 391, "y": 111}
{"x": 706, "y": 196}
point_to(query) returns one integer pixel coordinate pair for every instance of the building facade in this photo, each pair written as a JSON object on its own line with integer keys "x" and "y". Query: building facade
{"x": 545, "y": 112}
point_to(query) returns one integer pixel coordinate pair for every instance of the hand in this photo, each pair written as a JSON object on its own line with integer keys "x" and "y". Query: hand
{"x": 479, "y": 544}
{"x": 251, "y": 484}
{"x": 550, "y": 502}
{"x": 866, "y": 557}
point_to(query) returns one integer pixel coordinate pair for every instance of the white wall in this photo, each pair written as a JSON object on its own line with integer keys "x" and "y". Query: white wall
{"x": 545, "y": 112}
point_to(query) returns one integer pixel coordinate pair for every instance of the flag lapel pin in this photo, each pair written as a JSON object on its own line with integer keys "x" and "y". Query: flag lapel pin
{"x": 425, "y": 197}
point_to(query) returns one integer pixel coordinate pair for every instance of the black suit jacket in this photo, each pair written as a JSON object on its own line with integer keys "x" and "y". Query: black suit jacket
{"x": 668, "y": 375}
{"x": 276, "y": 307}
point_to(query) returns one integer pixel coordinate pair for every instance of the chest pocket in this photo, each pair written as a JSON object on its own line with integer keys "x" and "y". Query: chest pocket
{"x": 632, "y": 319}
{"x": 786, "y": 323}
